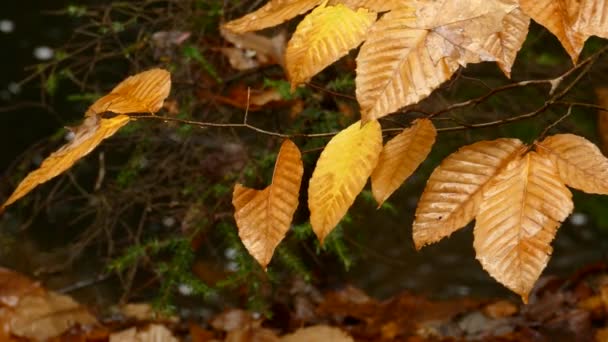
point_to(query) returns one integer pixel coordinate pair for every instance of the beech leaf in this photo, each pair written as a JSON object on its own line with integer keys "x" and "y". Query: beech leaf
{"x": 273, "y": 13}
{"x": 325, "y": 35}
{"x": 317, "y": 333}
{"x": 341, "y": 173}
{"x": 86, "y": 137}
{"x": 374, "y": 5}
{"x": 263, "y": 217}
{"x": 521, "y": 210}
{"x": 580, "y": 163}
{"x": 453, "y": 192}
{"x": 141, "y": 93}
{"x": 400, "y": 157}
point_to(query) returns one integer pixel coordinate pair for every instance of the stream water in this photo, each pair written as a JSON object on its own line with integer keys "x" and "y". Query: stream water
{"x": 389, "y": 263}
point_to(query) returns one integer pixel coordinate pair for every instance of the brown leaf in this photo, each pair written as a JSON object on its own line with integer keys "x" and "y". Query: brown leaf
{"x": 521, "y": 210}
{"x": 232, "y": 319}
{"x": 152, "y": 333}
{"x": 453, "y": 192}
{"x": 400, "y": 157}
{"x": 317, "y": 333}
{"x": 43, "y": 317}
{"x": 267, "y": 50}
{"x": 273, "y": 13}
{"x": 322, "y": 38}
{"x": 14, "y": 286}
{"x": 87, "y": 136}
{"x": 580, "y": 163}
{"x": 341, "y": 173}
{"x": 264, "y": 216}
{"x": 140, "y": 93}
{"x": 602, "y": 118}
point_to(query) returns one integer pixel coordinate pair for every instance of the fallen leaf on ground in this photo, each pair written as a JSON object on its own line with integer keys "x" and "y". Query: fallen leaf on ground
{"x": 152, "y": 333}
{"x": 317, "y": 333}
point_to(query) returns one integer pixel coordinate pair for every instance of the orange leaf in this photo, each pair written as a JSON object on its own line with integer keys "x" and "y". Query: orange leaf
{"x": 453, "y": 192}
{"x": 141, "y": 93}
{"x": 263, "y": 217}
{"x": 521, "y": 210}
{"x": 401, "y": 156}
{"x": 581, "y": 164}
{"x": 87, "y": 136}
{"x": 273, "y": 13}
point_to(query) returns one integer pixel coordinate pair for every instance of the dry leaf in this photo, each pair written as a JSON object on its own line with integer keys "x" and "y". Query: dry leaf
{"x": 374, "y": 5}
{"x": 266, "y": 50}
{"x": 400, "y": 157}
{"x": 521, "y": 210}
{"x": 14, "y": 286}
{"x": 43, "y": 317}
{"x": 325, "y": 35}
{"x": 273, "y": 13}
{"x": 251, "y": 334}
{"x": 317, "y": 333}
{"x": 140, "y": 93}
{"x": 571, "y": 21}
{"x": 87, "y": 136}
{"x": 233, "y": 319}
{"x": 341, "y": 173}
{"x": 264, "y": 216}
{"x": 453, "y": 192}
{"x": 581, "y": 164}
{"x": 153, "y": 333}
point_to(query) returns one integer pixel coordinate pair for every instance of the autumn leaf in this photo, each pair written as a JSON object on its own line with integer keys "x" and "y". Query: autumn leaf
{"x": 86, "y": 137}
{"x": 341, "y": 173}
{"x": 141, "y": 93}
{"x": 273, "y": 13}
{"x": 263, "y": 217}
{"x": 571, "y": 21}
{"x": 317, "y": 333}
{"x": 453, "y": 192}
{"x": 602, "y": 118}
{"x": 374, "y": 5}
{"x": 325, "y": 35}
{"x": 413, "y": 49}
{"x": 521, "y": 210}
{"x": 401, "y": 156}
{"x": 580, "y": 163}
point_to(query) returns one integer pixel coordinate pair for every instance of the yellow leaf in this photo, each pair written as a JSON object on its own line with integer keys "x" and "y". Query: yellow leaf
{"x": 374, "y": 5}
{"x": 341, "y": 173}
{"x": 273, "y": 13}
{"x": 401, "y": 156}
{"x": 325, "y": 35}
{"x": 453, "y": 192}
{"x": 141, "y": 93}
{"x": 264, "y": 216}
{"x": 592, "y": 18}
{"x": 521, "y": 210}
{"x": 87, "y": 137}
{"x": 580, "y": 163}
{"x": 558, "y": 16}
{"x": 505, "y": 44}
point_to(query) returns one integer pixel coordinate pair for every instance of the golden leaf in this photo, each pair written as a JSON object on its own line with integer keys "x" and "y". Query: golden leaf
{"x": 394, "y": 68}
{"x": 453, "y": 192}
{"x": 87, "y": 137}
{"x": 505, "y": 44}
{"x": 341, "y": 173}
{"x": 416, "y": 47}
{"x": 521, "y": 210}
{"x": 592, "y": 18}
{"x": 325, "y": 35}
{"x": 374, "y": 5}
{"x": 401, "y": 156}
{"x": 264, "y": 216}
{"x": 141, "y": 93}
{"x": 273, "y": 13}
{"x": 580, "y": 163}
{"x": 559, "y": 17}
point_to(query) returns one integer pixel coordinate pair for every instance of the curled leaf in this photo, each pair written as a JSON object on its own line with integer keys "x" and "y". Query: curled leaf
{"x": 521, "y": 210}
{"x": 580, "y": 163}
{"x": 263, "y": 217}
{"x": 86, "y": 137}
{"x": 325, "y": 35}
{"x": 453, "y": 192}
{"x": 401, "y": 156}
{"x": 341, "y": 173}
{"x": 141, "y": 93}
